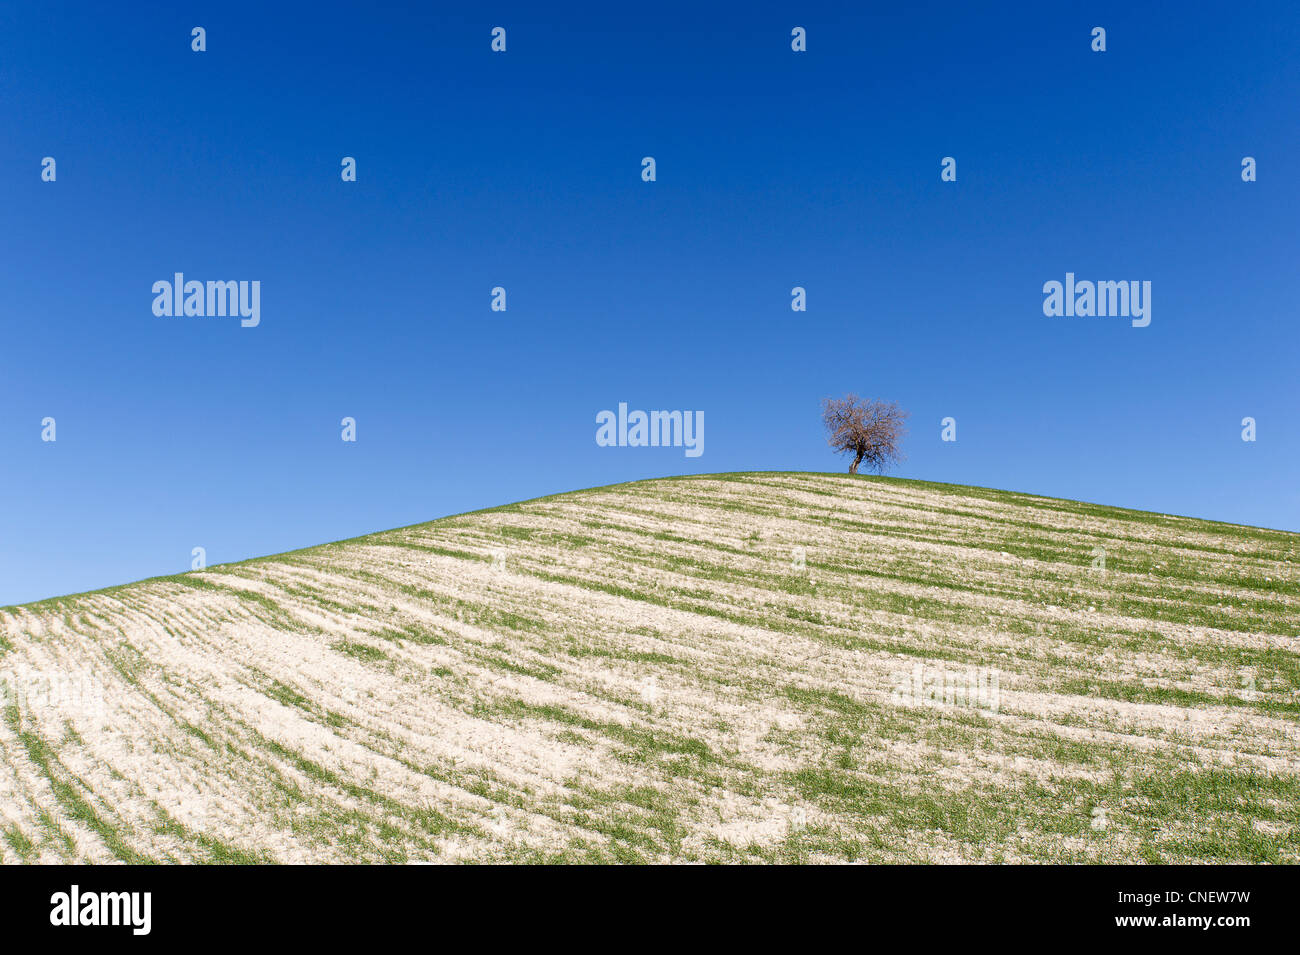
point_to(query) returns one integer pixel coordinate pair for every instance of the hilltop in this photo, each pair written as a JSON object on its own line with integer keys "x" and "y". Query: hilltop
{"x": 737, "y": 667}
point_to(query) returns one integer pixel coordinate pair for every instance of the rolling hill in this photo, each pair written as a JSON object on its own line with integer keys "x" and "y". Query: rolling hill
{"x": 759, "y": 667}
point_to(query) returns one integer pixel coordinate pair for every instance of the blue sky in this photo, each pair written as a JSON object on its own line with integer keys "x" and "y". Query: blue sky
{"x": 522, "y": 170}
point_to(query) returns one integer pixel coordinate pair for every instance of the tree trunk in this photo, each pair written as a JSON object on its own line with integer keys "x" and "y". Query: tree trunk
{"x": 853, "y": 468}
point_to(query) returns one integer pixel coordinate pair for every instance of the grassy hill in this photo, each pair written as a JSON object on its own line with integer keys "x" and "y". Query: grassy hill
{"x": 739, "y": 667}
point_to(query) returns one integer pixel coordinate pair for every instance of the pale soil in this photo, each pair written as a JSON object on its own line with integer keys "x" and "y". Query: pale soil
{"x": 651, "y": 674}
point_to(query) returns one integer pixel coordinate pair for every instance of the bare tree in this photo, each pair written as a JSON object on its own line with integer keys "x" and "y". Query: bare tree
{"x": 872, "y": 430}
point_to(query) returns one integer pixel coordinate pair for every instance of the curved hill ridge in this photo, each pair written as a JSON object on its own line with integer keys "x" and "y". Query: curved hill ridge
{"x": 741, "y": 667}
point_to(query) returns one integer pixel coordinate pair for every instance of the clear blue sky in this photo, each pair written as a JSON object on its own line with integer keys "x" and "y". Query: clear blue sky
{"x": 522, "y": 169}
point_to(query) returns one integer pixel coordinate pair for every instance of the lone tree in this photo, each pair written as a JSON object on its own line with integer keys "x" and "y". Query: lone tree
{"x": 872, "y": 430}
